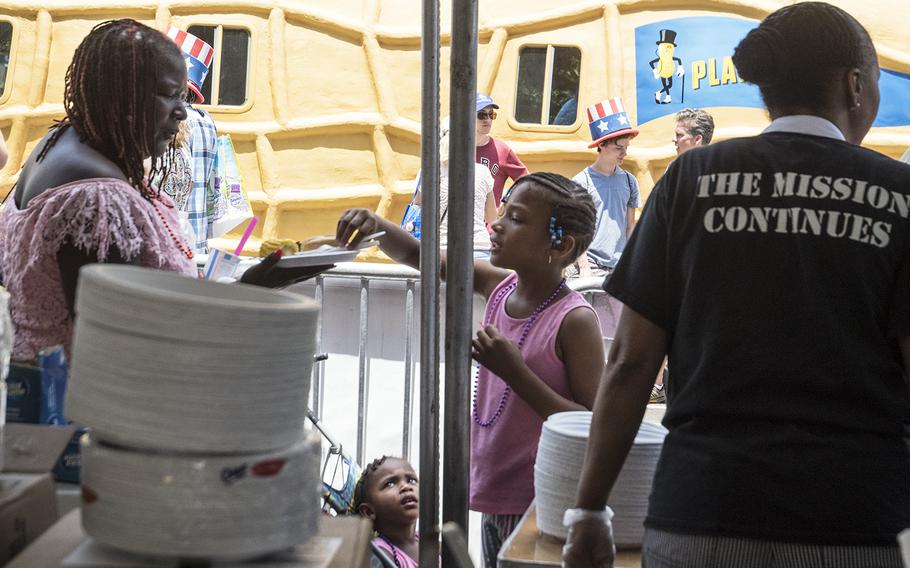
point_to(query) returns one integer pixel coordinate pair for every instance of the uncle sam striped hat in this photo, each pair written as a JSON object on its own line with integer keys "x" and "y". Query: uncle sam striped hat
{"x": 609, "y": 119}
{"x": 198, "y": 56}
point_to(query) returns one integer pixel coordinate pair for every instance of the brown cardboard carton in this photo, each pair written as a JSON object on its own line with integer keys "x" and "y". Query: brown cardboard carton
{"x": 28, "y": 500}
{"x": 28, "y": 507}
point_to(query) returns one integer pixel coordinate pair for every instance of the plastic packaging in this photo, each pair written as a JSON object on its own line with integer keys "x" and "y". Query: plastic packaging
{"x": 54, "y": 370}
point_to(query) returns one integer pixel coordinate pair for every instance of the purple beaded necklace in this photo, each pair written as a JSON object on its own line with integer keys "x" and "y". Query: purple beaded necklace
{"x": 394, "y": 549}
{"x": 497, "y": 299}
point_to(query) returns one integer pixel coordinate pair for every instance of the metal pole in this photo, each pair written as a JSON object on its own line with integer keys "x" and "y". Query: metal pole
{"x": 429, "y": 289}
{"x": 459, "y": 268}
{"x": 363, "y": 383}
{"x": 408, "y": 371}
{"x": 319, "y": 366}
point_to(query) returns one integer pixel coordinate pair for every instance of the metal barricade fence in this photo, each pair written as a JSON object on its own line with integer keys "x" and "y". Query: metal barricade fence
{"x": 366, "y": 274}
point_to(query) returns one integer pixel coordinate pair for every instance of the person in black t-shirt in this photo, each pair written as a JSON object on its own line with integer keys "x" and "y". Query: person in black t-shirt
{"x": 774, "y": 271}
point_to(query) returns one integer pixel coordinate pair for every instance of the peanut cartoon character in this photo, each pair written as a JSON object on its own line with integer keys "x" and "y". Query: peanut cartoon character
{"x": 665, "y": 64}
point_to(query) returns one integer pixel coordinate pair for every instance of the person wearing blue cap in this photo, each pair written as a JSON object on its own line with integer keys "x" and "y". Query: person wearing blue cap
{"x": 495, "y": 154}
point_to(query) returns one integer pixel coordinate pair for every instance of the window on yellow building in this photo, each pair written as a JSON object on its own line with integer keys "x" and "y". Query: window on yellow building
{"x": 547, "y": 91}
{"x": 228, "y": 76}
{"x": 6, "y": 41}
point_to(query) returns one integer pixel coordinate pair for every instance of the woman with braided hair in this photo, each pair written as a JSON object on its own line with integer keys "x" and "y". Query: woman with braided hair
{"x": 83, "y": 196}
{"x": 774, "y": 271}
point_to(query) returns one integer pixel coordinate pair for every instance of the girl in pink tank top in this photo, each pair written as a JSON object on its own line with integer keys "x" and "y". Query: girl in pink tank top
{"x": 540, "y": 350}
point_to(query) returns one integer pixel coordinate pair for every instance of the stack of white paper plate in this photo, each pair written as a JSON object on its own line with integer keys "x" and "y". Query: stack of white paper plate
{"x": 170, "y": 363}
{"x": 196, "y": 396}
{"x": 560, "y": 456}
{"x": 903, "y": 539}
{"x": 200, "y": 506}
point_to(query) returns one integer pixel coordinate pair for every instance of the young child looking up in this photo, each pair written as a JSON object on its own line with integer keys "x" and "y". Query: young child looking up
{"x": 540, "y": 340}
{"x": 387, "y": 494}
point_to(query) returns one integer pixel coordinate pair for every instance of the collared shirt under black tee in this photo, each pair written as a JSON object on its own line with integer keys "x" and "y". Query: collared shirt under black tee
{"x": 780, "y": 268}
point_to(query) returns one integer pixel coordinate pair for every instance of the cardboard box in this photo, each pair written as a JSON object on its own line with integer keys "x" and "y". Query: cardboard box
{"x": 28, "y": 499}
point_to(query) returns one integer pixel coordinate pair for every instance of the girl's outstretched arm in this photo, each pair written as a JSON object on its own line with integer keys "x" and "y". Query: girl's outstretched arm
{"x": 582, "y": 354}
{"x": 400, "y": 246}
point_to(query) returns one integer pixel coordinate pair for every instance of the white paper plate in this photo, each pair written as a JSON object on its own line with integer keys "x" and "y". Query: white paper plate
{"x": 318, "y": 257}
{"x": 151, "y": 302}
{"x": 904, "y": 540}
{"x": 169, "y": 363}
{"x": 569, "y": 415}
{"x": 201, "y": 506}
{"x": 327, "y": 254}
{"x": 145, "y": 392}
{"x": 557, "y": 470}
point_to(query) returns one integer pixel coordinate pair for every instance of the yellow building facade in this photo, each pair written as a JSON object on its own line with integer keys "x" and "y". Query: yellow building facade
{"x": 322, "y": 97}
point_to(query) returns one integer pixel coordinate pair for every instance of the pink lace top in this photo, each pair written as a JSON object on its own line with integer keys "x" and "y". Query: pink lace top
{"x": 93, "y": 214}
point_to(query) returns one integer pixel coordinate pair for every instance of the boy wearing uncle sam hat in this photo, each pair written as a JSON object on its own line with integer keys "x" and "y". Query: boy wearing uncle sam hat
{"x": 614, "y": 190}
{"x": 201, "y": 137}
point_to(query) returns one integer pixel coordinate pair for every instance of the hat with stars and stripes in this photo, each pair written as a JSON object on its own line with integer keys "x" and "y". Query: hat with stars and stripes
{"x": 198, "y": 57}
{"x": 609, "y": 119}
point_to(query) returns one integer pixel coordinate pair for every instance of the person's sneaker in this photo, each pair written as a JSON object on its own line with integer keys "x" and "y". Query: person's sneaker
{"x": 658, "y": 395}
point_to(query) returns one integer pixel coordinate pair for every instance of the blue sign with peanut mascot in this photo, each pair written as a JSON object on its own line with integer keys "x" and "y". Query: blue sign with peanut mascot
{"x": 698, "y": 53}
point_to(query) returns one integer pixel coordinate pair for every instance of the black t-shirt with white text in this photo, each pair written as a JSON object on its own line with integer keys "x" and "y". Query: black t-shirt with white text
{"x": 779, "y": 267}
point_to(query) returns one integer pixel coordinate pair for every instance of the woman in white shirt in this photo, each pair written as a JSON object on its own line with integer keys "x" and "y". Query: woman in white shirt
{"x": 484, "y": 204}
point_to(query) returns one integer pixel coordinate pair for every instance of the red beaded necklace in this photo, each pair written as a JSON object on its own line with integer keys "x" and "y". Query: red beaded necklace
{"x": 187, "y": 251}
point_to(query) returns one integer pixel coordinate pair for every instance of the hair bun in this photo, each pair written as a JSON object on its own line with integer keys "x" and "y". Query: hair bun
{"x": 760, "y": 56}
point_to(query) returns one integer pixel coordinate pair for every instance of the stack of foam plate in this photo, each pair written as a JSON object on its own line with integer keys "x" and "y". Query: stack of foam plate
{"x": 165, "y": 362}
{"x": 195, "y": 393}
{"x": 560, "y": 456}
{"x": 903, "y": 539}
{"x": 200, "y": 506}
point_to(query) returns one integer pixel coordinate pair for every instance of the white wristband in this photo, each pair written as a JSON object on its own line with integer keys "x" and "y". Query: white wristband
{"x": 572, "y": 516}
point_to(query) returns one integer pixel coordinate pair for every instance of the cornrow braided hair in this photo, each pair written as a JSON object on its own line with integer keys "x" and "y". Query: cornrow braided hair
{"x": 110, "y": 93}
{"x": 572, "y": 208}
{"x": 360, "y": 488}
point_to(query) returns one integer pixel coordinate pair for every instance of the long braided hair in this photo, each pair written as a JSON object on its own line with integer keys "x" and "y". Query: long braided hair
{"x": 110, "y": 93}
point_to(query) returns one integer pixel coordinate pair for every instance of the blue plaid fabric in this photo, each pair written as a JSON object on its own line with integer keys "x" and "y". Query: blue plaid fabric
{"x": 202, "y": 137}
